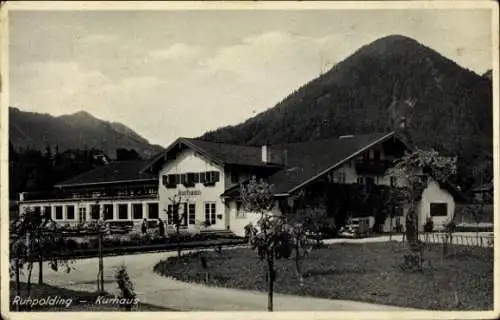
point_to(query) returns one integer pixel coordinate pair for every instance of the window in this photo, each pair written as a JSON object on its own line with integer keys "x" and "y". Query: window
{"x": 171, "y": 180}
{"x": 212, "y": 177}
{"x": 203, "y": 177}
{"x": 153, "y": 210}
{"x": 189, "y": 180}
{"x": 123, "y": 211}
{"x": 47, "y": 212}
{"x": 108, "y": 212}
{"x": 338, "y": 176}
{"x": 240, "y": 211}
{"x": 137, "y": 211}
{"x": 235, "y": 177}
{"x": 183, "y": 178}
{"x": 70, "y": 212}
{"x": 82, "y": 214}
{"x": 95, "y": 211}
{"x": 210, "y": 212}
{"x": 192, "y": 213}
{"x": 196, "y": 177}
{"x": 59, "y": 212}
{"x": 37, "y": 210}
{"x": 439, "y": 209}
{"x": 376, "y": 155}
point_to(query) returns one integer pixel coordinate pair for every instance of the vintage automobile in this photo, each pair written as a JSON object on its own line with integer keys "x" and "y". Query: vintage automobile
{"x": 355, "y": 227}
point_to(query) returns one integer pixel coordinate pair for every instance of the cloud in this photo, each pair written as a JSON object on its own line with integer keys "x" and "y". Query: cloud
{"x": 177, "y": 52}
{"x": 55, "y": 87}
{"x": 97, "y": 39}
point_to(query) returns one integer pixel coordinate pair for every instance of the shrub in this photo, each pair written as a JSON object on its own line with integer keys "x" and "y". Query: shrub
{"x": 135, "y": 236}
{"x": 429, "y": 225}
{"x": 71, "y": 244}
{"x": 450, "y": 226}
{"x": 93, "y": 243}
{"x": 126, "y": 287}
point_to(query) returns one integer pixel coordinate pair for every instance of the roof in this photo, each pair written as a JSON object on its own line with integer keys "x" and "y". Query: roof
{"x": 223, "y": 153}
{"x": 120, "y": 171}
{"x": 308, "y": 160}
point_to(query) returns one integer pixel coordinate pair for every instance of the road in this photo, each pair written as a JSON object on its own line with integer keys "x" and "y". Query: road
{"x": 161, "y": 291}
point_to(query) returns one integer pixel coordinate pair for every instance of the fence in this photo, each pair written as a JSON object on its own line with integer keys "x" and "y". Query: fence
{"x": 473, "y": 240}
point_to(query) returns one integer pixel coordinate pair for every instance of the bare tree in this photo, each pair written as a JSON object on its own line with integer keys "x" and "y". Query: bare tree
{"x": 177, "y": 219}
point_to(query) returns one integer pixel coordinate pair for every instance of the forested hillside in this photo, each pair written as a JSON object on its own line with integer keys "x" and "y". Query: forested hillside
{"x": 444, "y": 106}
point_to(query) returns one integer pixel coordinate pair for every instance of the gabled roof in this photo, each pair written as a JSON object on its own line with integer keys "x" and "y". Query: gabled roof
{"x": 120, "y": 171}
{"x": 222, "y": 153}
{"x": 308, "y": 160}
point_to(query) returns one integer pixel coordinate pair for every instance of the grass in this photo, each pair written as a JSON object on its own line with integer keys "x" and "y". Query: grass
{"x": 81, "y": 300}
{"x": 371, "y": 272}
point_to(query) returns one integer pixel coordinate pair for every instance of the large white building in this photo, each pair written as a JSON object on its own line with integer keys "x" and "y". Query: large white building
{"x": 206, "y": 177}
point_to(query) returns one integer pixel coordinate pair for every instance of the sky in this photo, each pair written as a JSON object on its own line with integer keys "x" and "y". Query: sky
{"x": 169, "y": 73}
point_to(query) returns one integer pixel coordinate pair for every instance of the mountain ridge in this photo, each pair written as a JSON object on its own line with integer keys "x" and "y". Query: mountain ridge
{"x": 78, "y": 130}
{"x": 394, "y": 78}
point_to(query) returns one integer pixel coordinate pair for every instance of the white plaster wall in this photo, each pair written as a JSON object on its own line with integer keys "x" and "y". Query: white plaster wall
{"x": 431, "y": 194}
{"x": 237, "y": 222}
{"x": 189, "y": 161}
{"x": 434, "y": 194}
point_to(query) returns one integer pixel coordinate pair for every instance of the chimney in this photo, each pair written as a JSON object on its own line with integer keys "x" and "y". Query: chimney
{"x": 265, "y": 153}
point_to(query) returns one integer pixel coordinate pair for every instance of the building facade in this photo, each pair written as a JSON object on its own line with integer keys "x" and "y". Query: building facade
{"x": 205, "y": 178}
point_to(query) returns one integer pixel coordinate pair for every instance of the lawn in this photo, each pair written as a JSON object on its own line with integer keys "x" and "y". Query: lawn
{"x": 81, "y": 300}
{"x": 370, "y": 272}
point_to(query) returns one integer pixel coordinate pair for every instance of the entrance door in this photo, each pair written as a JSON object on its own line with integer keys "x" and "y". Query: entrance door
{"x": 210, "y": 214}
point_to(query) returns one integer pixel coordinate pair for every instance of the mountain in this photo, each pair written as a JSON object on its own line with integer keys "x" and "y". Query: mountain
{"x": 80, "y": 130}
{"x": 444, "y": 106}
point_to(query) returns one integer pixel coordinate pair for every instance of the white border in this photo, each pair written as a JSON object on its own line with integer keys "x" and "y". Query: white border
{"x": 232, "y": 5}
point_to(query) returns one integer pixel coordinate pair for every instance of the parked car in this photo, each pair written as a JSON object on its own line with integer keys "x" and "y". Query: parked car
{"x": 355, "y": 227}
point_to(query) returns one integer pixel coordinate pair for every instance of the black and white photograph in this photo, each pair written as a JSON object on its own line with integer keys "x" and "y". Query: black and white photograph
{"x": 171, "y": 157}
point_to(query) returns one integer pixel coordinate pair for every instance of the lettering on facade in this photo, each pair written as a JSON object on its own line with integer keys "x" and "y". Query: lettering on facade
{"x": 190, "y": 193}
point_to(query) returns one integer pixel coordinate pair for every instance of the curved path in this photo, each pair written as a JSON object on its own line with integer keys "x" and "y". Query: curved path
{"x": 161, "y": 291}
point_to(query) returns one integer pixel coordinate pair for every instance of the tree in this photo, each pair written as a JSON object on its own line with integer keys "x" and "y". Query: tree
{"x": 412, "y": 173}
{"x": 302, "y": 247}
{"x": 35, "y": 236}
{"x": 257, "y": 197}
{"x": 176, "y": 218}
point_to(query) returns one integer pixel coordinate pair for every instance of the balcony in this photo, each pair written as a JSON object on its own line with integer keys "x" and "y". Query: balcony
{"x": 372, "y": 167}
{"x": 137, "y": 193}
